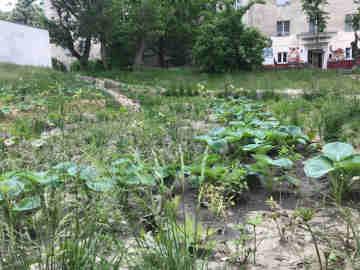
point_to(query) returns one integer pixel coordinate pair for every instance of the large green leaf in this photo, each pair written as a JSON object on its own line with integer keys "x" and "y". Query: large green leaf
{"x": 258, "y": 133}
{"x": 121, "y": 161}
{"x": 318, "y": 167}
{"x": 41, "y": 178}
{"x": 100, "y": 185}
{"x": 217, "y": 145}
{"x": 27, "y": 204}
{"x": 218, "y": 131}
{"x": 294, "y": 131}
{"x": 138, "y": 179}
{"x": 45, "y": 179}
{"x": 292, "y": 180}
{"x": 257, "y": 147}
{"x": 284, "y": 163}
{"x": 251, "y": 147}
{"x": 88, "y": 173}
{"x": 11, "y": 187}
{"x": 203, "y": 138}
{"x": 338, "y": 151}
{"x": 275, "y": 135}
{"x": 351, "y": 164}
{"x": 70, "y": 168}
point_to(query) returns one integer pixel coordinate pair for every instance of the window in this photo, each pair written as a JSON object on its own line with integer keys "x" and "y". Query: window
{"x": 349, "y": 23}
{"x": 282, "y": 58}
{"x": 348, "y": 54}
{"x": 283, "y": 28}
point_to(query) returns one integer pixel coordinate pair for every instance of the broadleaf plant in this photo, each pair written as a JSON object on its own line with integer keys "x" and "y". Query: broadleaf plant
{"x": 334, "y": 157}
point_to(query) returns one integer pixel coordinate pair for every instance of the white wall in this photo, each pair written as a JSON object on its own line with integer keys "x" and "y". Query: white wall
{"x": 24, "y": 45}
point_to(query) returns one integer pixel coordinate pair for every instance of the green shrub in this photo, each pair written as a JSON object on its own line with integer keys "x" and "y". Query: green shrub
{"x": 93, "y": 66}
{"x": 224, "y": 43}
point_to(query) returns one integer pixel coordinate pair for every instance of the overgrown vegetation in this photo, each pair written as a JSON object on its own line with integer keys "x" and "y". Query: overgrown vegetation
{"x": 88, "y": 184}
{"x": 224, "y": 43}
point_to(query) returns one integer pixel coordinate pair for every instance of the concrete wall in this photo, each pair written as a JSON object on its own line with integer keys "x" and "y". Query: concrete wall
{"x": 24, "y": 45}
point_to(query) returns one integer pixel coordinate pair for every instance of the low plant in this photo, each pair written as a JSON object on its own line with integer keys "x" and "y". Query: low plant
{"x": 247, "y": 235}
{"x": 175, "y": 244}
{"x": 339, "y": 161}
{"x": 254, "y": 142}
{"x": 272, "y": 172}
{"x": 306, "y": 215}
{"x": 277, "y": 215}
{"x": 254, "y": 222}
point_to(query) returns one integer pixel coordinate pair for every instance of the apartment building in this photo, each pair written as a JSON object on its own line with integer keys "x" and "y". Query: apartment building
{"x": 294, "y": 39}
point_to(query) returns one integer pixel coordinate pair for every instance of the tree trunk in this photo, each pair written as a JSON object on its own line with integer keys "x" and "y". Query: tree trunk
{"x": 84, "y": 62}
{"x": 139, "y": 57}
{"x": 104, "y": 58}
{"x": 84, "y": 57}
{"x": 356, "y": 50}
{"x": 161, "y": 53}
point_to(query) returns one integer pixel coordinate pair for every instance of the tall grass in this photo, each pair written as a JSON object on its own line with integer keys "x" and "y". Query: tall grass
{"x": 306, "y": 79}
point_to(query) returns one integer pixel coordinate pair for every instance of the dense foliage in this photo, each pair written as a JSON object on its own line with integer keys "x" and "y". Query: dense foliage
{"x": 157, "y": 32}
{"x": 27, "y": 12}
{"x": 315, "y": 10}
{"x": 224, "y": 42}
{"x": 76, "y": 24}
{"x": 356, "y": 27}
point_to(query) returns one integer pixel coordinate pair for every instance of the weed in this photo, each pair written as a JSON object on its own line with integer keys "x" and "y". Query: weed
{"x": 306, "y": 215}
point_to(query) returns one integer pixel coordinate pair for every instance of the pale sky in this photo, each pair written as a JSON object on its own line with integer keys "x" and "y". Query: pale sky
{"x": 7, "y": 5}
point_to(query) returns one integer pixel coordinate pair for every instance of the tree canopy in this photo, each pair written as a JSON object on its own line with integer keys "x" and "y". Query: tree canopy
{"x": 156, "y": 32}
{"x": 316, "y": 13}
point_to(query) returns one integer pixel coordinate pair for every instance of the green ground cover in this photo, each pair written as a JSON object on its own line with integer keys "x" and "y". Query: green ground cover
{"x": 251, "y": 80}
{"x": 88, "y": 184}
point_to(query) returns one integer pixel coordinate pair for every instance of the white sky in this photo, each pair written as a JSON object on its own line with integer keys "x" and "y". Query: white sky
{"x": 7, "y": 5}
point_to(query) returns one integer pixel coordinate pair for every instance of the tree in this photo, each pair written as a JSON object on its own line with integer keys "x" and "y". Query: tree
{"x": 26, "y": 12}
{"x": 137, "y": 23}
{"x": 316, "y": 14}
{"x": 165, "y": 29}
{"x": 355, "y": 43}
{"x": 180, "y": 22}
{"x": 76, "y": 24}
{"x": 225, "y": 43}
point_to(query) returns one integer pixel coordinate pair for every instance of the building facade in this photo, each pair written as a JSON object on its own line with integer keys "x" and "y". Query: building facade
{"x": 294, "y": 40}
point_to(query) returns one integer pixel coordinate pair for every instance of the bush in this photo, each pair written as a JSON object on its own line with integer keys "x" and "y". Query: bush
{"x": 224, "y": 43}
{"x": 93, "y": 66}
